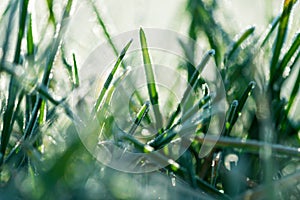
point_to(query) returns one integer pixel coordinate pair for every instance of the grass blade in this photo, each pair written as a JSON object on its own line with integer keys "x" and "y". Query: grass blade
{"x": 140, "y": 116}
{"x": 236, "y": 108}
{"x": 238, "y": 43}
{"x": 286, "y": 59}
{"x": 48, "y": 68}
{"x": 281, "y": 35}
{"x": 193, "y": 82}
{"x": 110, "y": 77}
{"x": 51, "y": 13}
{"x": 248, "y": 145}
{"x": 13, "y": 89}
{"x": 103, "y": 26}
{"x": 75, "y": 73}
{"x": 153, "y": 95}
{"x": 273, "y": 25}
{"x": 30, "y": 42}
{"x": 230, "y": 117}
{"x": 293, "y": 94}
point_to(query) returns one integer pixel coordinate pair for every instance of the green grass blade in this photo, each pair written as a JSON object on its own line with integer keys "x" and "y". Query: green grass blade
{"x": 13, "y": 89}
{"x": 30, "y": 42}
{"x": 191, "y": 112}
{"x": 51, "y": 18}
{"x": 103, "y": 26}
{"x": 293, "y": 94}
{"x": 110, "y": 77}
{"x": 153, "y": 95}
{"x": 236, "y": 108}
{"x": 245, "y": 96}
{"x": 48, "y": 67}
{"x": 238, "y": 43}
{"x": 281, "y": 35}
{"x": 75, "y": 73}
{"x": 193, "y": 82}
{"x": 273, "y": 25}
{"x": 230, "y": 117}
{"x": 249, "y": 145}
{"x": 286, "y": 59}
{"x": 140, "y": 116}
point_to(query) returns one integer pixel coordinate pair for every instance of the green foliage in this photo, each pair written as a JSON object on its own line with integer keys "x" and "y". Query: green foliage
{"x": 259, "y": 129}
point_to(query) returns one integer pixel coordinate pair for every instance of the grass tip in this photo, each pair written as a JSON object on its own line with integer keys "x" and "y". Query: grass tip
{"x": 211, "y": 52}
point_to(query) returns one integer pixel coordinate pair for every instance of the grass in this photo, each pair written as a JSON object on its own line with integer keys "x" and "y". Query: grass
{"x": 42, "y": 156}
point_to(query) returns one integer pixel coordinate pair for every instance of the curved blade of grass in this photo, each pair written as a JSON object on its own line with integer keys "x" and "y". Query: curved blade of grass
{"x": 153, "y": 95}
{"x": 286, "y": 59}
{"x": 273, "y": 25}
{"x": 140, "y": 116}
{"x": 110, "y": 77}
{"x": 237, "y": 44}
{"x": 281, "y": 35}
{"x": 193, "y": 82}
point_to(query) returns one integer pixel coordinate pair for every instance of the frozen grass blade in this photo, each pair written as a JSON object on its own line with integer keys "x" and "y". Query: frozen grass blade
{"x": 281, "y": 35}
{"x": 193, "y": 82}
{"x": 238, "y": 43}
{"x": 140, "y": 116}
{"x": 153, "y": 95}
{"x": 110, "y": 77}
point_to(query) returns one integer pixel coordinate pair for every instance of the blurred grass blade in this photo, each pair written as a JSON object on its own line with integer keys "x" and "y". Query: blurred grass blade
{"x": 140, "y": 116}
{"x": 281, "y": 35}
{"x": 293, "y": 94}
{"x": 103, "y": 26}
{"x": 187, "y": 115}
{"x": 193, "y": 82}
{"x": 110, "y": 77}
{"x": 51, "y": 13}
{"x": 273, "y": 25}
{"x": 8, "y": 120}
{"x": 48, "y": 68}
{"x": 153, "y": 95}
{"x": 75, "y": 73}
{"x": 238, "y": 43}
